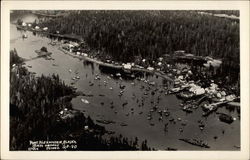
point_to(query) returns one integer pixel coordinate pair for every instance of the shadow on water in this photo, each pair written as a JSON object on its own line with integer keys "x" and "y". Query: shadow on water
{"x": 89, "y": 64}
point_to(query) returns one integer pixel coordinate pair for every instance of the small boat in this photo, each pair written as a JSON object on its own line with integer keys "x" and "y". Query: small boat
{"x": 149, "y": 118}
{"x": 118, "y": 74}
{"x": 187, "y": 109}
{"x": 183, "y": 123}
{"x": 124, "y": 104}
{"x": 108, "y": 77}
{"x": 122, "y": 86}
{"x": 105, "y": 121}
{"x": 195, "y": 142}
{"x": 25, "y": 36}
{"x": 123, "y": 124}
{"x": 226, "y": 118}
{"x": 97, "y": 78}
{"x": 171, "y": 149}
{"x": 53, "y": 43}
{"x": 85, "y": 101}
{"x": 167, "y": 114}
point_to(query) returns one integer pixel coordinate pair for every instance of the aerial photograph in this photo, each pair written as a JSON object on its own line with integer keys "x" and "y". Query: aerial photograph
{"x": 124, "y": 80}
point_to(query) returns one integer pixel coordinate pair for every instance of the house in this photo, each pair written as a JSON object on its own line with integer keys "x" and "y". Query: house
{"x": 150, "y": 68}
{"x": 45, "y": 28}
{"x": 127, "y": 66}
{"x": 159, "y": 64}
{"x": 179, "y": 53}
{"x": 24, "y": 24}
{"x": 68, "y": 47}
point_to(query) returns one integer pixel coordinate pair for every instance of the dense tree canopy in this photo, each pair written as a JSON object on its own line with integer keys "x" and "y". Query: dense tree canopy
{"x": 150, "y": 34}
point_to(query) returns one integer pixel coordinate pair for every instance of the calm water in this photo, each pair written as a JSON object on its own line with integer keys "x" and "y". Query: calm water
{"x": 134, "y": 114}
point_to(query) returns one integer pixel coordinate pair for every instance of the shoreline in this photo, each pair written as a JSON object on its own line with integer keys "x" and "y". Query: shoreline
{"x": 73, "y": 37}
{"x": 115, "y": 66}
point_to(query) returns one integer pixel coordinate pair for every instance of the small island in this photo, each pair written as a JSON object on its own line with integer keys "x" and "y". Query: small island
{"x": 43, "y": 52}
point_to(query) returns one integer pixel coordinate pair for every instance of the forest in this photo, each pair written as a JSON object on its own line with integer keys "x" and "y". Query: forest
{"x": 124, "y": 35}
{"x": 35, "y": 104}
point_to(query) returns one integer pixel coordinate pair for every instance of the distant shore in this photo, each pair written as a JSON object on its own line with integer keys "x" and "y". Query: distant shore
{"x": 67, "y": 36}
